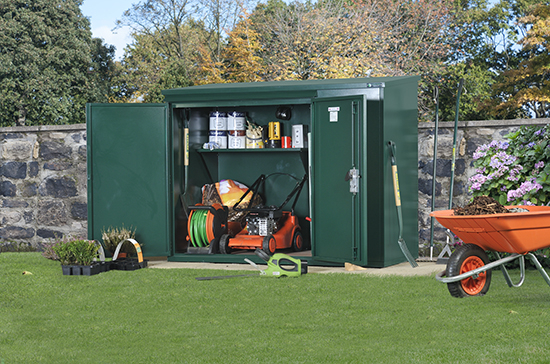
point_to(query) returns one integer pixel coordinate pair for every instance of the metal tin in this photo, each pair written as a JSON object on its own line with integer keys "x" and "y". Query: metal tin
{"x": 286, "y": 142}
{"x": 219, "y": 137}
{"x": 236, "y": 139}
{"x": 218, "y": 120}
{"x": 236, "y": 142}
{"x": 236, "y": 121}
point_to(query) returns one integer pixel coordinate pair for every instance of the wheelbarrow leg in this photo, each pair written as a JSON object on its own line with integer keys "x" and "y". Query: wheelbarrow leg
{"x": 441, "y": 259}
{"x": 539, "y": 267}
{"x": 507, "y": 276}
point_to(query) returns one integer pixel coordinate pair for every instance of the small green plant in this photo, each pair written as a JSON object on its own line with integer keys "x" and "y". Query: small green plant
{"x": 113, "y": 236}
{"x": 75, "y": 251}
{"x": 19, "y": 247}
{"x": 48, "y": 250}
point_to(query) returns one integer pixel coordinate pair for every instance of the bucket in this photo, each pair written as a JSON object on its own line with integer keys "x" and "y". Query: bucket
{"x": 198, "y": 127}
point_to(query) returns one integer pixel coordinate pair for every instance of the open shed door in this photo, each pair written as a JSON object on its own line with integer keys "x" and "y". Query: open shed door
{"x": 335, "y": 179}
{"x": 129, "y": 173}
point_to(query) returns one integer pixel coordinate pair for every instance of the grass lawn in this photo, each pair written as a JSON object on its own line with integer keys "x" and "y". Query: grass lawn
{"x": 166, "y": 316}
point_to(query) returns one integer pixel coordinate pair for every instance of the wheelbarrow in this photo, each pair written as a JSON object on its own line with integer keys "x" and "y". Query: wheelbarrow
{"x": 468, "y": 271}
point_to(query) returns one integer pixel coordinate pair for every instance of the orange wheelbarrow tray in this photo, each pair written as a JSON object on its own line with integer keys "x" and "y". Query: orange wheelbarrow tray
{"x": 517, "y": 233}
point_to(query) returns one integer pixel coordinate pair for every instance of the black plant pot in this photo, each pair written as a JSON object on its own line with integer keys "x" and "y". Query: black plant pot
{"x": 128, "y": 264}
{"x": 81, "y": 270}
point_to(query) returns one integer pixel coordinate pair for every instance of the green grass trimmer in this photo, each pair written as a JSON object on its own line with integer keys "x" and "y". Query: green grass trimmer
{"x": 278, "y": 265}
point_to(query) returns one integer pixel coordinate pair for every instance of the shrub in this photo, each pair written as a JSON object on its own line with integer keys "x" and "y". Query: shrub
{"x": 113, "y": 236}
{"x": 76, "y": 252}
{"x": 514, "y": 172}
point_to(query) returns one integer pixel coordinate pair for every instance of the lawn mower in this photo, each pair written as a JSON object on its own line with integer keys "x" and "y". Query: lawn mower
{"x": 267, "y": 227}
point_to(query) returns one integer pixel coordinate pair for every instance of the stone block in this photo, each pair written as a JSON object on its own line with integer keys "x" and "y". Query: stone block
{"x": 51, "y": 150}
{"x": 58, "y": 187}
{"x": 15, "y": 170}
{"x": 29, "y": 189}
{"x": 443, "y": 167}
{"x": 473, "y": 143}
{"x": 28, "y": 216}
{"x": 16, "y": 232}
{"x": 33, "y": 169}
{"x": 7, "y": 189}
{"x": 79, "y": 211}
{"x": 51, "y": 213}
{"x": 10, "y": 203}
{"x": 58, "y": 166}
{"x": 49, "y": 234}
{"x": 10, "y": 217}
{"x": 82, "y": 151}
{"x": 425, "y": 186}
{"x": 17, "y": 150}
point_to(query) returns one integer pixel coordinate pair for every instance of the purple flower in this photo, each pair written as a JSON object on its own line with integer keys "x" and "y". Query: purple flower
{"x": 525, "y": 188}
{"x": 539, "y": 165}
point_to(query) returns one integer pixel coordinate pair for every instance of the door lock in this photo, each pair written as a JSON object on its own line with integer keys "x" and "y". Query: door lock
{"x": 353, "y": 177}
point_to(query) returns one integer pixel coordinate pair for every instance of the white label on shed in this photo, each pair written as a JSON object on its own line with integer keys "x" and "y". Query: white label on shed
{"x": 333, "y": 114}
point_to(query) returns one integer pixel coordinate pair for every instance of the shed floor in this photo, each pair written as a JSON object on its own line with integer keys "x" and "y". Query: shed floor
{"x": 403, "y": 269}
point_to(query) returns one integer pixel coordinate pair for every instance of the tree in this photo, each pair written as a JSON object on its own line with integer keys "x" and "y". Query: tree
{"x": 150, "y": 64}
{"x": 484, "y": 45}
{"x": 337, "y": 39}
{"x": 171, "y": 47}
{"x": 241, "y": 60}
{"x": 102, "y": 70}
{"x": 527, "y": 86}
{"x": 45, "y": 56}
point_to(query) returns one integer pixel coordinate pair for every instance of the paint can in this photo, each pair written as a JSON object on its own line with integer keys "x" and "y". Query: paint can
{"x": 218, "y": 121}
{"x": 236, "y": 121}
{"x": 236, "y": 139}
{"x": 219, "y": 137}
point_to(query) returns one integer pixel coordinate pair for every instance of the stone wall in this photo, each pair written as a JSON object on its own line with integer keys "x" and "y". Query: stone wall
{"x": 471, "y": 134}
{"x": 42, "y": 184}
{"x": 43, "y": 177}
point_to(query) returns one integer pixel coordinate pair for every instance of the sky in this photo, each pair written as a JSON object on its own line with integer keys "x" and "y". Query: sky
{"x": 103, "y": 14}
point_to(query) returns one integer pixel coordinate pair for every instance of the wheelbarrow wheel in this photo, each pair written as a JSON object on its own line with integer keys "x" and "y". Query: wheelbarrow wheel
{"x": 464, "y": 259}
{"x": 269, "y": 244}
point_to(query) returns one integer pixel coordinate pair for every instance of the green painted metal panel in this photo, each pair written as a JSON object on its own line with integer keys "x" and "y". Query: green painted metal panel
{"x": 335, "y": 152}
{"x": 129, "y": 168}
{"x": 392, "y": 117}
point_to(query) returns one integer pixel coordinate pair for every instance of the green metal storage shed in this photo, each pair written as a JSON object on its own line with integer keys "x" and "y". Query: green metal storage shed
{"x": 136, "y": 173}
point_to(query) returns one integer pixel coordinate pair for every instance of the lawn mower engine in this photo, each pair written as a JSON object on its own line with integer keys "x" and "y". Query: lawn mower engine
{"x": 263, "y": 223}
{"x": 267, "y": 227}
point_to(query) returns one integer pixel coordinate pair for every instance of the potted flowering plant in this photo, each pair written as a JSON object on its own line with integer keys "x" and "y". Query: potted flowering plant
{"x": 77, "y": 256}
{"x": 114, "y": 236}
{"x": 516, "y": 171}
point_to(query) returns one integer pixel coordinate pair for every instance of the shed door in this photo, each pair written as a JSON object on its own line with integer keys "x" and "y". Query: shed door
{"x": 128, "y": 173}
{"x": 335, "y": 129}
